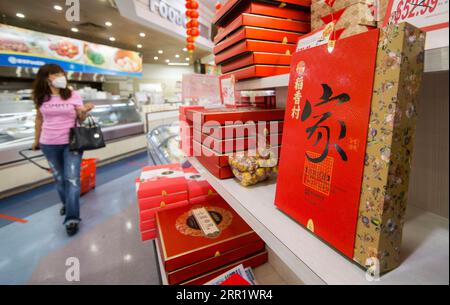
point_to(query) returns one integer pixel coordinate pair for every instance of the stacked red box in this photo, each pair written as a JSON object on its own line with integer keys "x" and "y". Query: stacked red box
{"x": 199, "y": 190}
{"x": 159, "y": 188}
{"x": 169, "y": 186}
{"x": 198, "y": 241}
{"x": 221, "y": 132}
{"x": 256, "y": 38}
{"x": 186, "y": 131}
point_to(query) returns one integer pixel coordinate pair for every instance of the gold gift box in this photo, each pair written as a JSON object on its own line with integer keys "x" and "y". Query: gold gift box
{"x": 356, "y": 13}
{"x": 398, "y": 77}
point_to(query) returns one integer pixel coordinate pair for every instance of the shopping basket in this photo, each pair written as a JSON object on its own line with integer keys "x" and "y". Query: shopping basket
{"x": 87, "y": 172}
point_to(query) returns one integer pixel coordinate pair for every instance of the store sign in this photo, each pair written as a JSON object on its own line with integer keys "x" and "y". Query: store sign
{"x": 429, "y": 15}
{"x": 24, "y": 48}
{"x": 168, "y": 12}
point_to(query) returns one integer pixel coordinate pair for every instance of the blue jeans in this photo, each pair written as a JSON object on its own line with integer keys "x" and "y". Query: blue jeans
{"x": 66, "y": 166}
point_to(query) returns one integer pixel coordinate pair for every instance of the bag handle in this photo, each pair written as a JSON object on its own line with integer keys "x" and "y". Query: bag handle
{"x": 89, "y": 118}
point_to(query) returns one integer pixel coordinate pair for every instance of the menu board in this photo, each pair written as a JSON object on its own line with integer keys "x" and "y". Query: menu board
{"x": 25, "y": 48}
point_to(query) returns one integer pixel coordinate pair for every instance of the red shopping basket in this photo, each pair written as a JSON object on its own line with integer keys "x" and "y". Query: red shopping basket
{"x": 87, "y": 173}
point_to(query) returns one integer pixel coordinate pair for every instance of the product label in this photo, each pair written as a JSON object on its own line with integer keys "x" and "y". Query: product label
{"x": 228, "y": 90}
{"x": 317, "y": 176}
{"x": 316, "y": 38}
{"x": 206, "y": 223}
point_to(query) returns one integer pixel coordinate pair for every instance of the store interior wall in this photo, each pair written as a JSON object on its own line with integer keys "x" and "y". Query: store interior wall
{"x": 167, "y": 75}
{"x": 429, "y": 174}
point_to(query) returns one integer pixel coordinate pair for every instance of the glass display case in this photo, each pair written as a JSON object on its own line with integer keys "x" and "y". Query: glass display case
{"x": 164, "y": 145}
{"x": 118, "y": 118}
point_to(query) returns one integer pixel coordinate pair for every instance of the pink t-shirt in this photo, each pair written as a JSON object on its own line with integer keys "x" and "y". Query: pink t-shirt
{"x": 58, "y": 117}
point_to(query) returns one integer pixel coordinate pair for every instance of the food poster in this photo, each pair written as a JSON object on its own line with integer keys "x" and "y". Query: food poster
{"x": 24, "y": 48}
{"x": 324, "y": 137}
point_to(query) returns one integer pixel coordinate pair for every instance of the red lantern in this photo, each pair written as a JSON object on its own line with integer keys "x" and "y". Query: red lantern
{"x": 218, "y": 6}
{"x": 194, "y": 5}
{"x": 193, "y": 23}
{"x": 194, "y": 32}
{"x": 190, "y": 39}
{"x": 193, "y": 14}
{"x": 190, "y": 47}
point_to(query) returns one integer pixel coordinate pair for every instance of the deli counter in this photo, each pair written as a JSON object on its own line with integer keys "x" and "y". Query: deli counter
{"x": 164, "y": 145}
{"x": 118, "y": 119}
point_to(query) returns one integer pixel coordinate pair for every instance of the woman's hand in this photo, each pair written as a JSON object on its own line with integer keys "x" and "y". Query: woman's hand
{"x": 88, "y": 107}
{"x": 83, "y": 111}
{"x": 35, "y": 146}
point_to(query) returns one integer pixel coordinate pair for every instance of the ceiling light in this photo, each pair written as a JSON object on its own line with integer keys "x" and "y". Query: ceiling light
{"x": 185, "y": 49}
{"x": 142, "y": 34}
{"x": 108, "y": 23}
{"x": 156, "y": 58}
{"x": 74, "y": 30}
{"x": 20, "y": 15}
{"x": 177, "y": 56}
{"x": 160, "y": 51}
{"x": 178, "y": 64}
{"x": 139, "y": 46}
{"x": 167, "y": 60}
{"x": 112, "y": 39}
{"x": 58, "y": 7}
{"x": 188, "y": 59}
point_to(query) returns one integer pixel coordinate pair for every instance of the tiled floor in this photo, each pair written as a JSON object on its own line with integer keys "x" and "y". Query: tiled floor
{"x": 108, "y": 245}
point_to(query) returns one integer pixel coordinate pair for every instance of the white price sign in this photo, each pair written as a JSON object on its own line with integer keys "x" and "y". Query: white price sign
{"x": 429, "y": 15}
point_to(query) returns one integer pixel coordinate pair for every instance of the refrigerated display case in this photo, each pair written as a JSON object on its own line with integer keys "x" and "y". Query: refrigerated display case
{"x": 118, "y": 118}
{"x": 164, "y": 145}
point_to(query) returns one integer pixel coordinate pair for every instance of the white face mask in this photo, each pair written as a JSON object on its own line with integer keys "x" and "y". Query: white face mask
{"x": 60, "y": 82}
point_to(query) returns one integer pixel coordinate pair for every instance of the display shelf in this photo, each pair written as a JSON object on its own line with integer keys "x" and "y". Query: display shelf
{"x": 424, "y": 250}
{"x": 162, "y": 271}
{"x": 435, "y": 60}
{"x": 264, "y": 83}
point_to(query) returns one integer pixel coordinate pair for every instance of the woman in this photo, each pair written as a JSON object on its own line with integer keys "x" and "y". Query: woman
{"x": 57, "y": 109}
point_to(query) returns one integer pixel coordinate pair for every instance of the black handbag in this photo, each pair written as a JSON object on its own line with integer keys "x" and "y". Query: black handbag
{"x": 88, "y": 137}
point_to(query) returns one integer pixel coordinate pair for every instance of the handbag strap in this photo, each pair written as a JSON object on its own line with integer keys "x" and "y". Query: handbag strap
{"x": 89, "y": 118}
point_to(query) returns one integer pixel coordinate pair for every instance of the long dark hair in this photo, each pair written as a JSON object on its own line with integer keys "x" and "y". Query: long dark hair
{"x": 41, "y": 88}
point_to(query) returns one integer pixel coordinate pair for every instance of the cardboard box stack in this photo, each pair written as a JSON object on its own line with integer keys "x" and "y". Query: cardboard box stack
{"x": 351, "y": 16}
{"x": 256, "y": 38}
{"x": 157, "y": 188}
{"x": 169, "y": 186}
{"x": 215, "y": 138}
{"x": 186, "y": 130}
{"x": 200, "y": 242}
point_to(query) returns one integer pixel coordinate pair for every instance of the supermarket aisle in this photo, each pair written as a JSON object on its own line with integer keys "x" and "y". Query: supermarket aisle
{"x": 108, "y": 245}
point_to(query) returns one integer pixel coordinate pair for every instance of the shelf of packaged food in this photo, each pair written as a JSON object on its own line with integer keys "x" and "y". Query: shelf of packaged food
{"x": 424, "y": 250}
{"x": 435, "y": 60}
